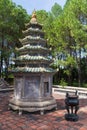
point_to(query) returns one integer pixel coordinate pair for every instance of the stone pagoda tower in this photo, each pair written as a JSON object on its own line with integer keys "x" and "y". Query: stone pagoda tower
{"x": 33, "y": 76}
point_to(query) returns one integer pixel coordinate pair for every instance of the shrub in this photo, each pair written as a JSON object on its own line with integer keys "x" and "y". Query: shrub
{"x": 63, "y": 83}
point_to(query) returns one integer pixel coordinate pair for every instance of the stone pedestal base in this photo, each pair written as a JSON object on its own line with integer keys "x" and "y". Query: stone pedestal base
{"x": 71, "y": 117}
{"x": 32, "y": 106}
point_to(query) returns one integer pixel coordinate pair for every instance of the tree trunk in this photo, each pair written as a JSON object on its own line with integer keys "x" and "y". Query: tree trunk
{"x": 6, "y": 68}
{"x": 79, "y": 75}
{"x": 70, "y": 76}
{"x": 1, "y": 64}
{"x": 79, "y": 68}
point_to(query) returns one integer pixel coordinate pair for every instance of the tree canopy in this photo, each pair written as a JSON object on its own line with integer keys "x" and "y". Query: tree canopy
{"x": 65, "y": 29}
{"x": 12, "y": 20}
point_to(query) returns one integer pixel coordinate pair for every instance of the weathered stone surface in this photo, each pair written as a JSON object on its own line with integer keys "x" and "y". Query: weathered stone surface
{"x": 33, "y": 75}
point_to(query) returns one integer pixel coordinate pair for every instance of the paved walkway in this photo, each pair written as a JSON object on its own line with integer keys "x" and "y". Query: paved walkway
{"x": 52, "y": 120}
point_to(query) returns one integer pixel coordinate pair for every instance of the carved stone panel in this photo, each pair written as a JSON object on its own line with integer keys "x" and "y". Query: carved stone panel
{"x": 31, "y": 88}
{"x": 47, "y": 85}
{"x": 18, "y": 87}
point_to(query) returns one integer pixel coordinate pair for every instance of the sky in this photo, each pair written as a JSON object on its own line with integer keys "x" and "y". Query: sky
{"x": 30, "y": 5}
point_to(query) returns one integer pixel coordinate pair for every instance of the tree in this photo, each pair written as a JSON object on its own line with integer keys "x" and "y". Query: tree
{"x": 56, "y": 10}
{"x": 75, "y": 12}
{"x": 70, "y": 32}
{"x": 42, "y": 16}
{"x": 50, "y": 26}
{"x": 12, "y": 19}
{"x": 5, "y": 9}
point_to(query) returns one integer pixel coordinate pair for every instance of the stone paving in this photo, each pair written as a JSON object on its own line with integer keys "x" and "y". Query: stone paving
{"x": 51, "y": 120}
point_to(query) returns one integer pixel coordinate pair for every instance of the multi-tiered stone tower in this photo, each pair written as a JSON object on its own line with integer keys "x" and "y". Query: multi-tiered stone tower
{"x": 33, "y": 76}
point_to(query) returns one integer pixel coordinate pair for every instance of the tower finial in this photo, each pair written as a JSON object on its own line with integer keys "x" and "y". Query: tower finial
{"x": 34, "y": 18}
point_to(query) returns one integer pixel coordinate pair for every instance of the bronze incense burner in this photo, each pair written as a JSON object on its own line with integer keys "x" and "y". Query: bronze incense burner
{"x": 72, "y": 106}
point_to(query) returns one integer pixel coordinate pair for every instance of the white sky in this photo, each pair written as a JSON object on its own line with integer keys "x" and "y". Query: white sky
{"x": 30, "y": 5}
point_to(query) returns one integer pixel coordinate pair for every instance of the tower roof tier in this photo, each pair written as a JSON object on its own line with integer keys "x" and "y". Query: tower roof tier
{"x": 30, "y": 38}
{"x": 34, "y": 48}
{"x": 32, "y": 31}
{"x": 33, "y": 42}
{"x": 34, "y": 25}
{"x": 33, "y": 69}
{"x": 33, "y": 63}
{"x": 30, "y": 58}
{"x": 34, "y": 53}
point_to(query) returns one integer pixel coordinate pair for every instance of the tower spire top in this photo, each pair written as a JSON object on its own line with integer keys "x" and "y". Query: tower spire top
{"x": 34, "y": 17}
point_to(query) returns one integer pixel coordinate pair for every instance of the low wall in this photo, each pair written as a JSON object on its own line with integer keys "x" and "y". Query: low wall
{"x": 82, "y": 92}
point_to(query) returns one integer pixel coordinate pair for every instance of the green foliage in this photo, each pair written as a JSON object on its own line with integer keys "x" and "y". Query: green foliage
{"x": 70, "y": 39}
{"x": 84, "y": 85}
{"x": 65, "y": 29}
{"x": 75, "y": 84}
{"x": 56, "y": 10}
{"x": 47, "y": 19}
{"x": 63, "y": 83}
{"x": 70, "y": 35}
{"x": 42, "y": 16}
{"x": 12, "y": 20}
